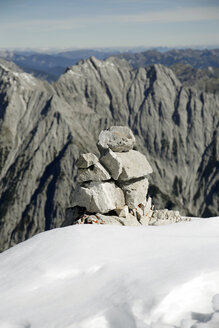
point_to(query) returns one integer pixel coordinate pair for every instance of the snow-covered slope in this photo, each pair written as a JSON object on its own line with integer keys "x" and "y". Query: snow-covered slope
{"x": 91, "y": 276}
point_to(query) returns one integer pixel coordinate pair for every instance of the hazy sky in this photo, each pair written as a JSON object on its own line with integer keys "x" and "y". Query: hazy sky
{"x": 108, "y": 23}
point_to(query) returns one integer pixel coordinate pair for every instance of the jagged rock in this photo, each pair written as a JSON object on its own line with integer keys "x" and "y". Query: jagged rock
{"x": 139, "y": 213}
{"x": 112, "y": 163}
{"x": 160, "y": 217}
{"x": 129, "y": 220}
{"x": 134, "y": 165}
{"x": 117, "y": 138}
{"x": 95, "y": 172}
{"x": 135, "y": 192}
{"x": 122, "y": 211}
{"x": 99, "y": 197}
{"x": 86, "y": 160}
{"x": 148, "y": 207}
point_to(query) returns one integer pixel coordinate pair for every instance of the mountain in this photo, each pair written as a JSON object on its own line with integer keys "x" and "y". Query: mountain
{"x": 194, "y": 57}
{"x": 44, "y": 127}
{"x": 205, "y": 79}
{"x": 194, "y": 68}
{"x": 50, "y": 66}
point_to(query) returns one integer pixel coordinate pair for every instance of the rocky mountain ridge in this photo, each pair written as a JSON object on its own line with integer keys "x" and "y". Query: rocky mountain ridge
{"x": 194, "y": 68}
{"x": 44, "y": 127}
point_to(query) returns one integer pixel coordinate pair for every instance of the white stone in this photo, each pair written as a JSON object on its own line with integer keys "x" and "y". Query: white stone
{"x": 112, "y": 163}
{"x": 135, "y": 192}
{"x": 144, "y": 220}
{"x": 109, "y": 219}
{"x": 99, "y": 197}
{"x": 161, "y": 217}
{"x": 82, "y": 197}
{"x": 134, "y": 165}
{"x": 86, "y": 160}
{"x": 148, "y": 206}
{"x": 130, "y": 220}
{"x": 117, "y": 138}
{"x": 139, "y": 213}
{"x": 122, "y": 211}
{"x": 95, "y": 172}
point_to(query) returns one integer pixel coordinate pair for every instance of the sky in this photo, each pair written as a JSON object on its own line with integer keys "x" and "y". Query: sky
{"x": 108, "y": 23}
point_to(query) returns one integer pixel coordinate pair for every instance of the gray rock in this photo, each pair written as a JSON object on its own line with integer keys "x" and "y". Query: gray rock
{"x": 130, "y": 220}
{"x": 134, "y": 165}
{"x": 135, "y": 192}
{"x": 117, "y": 138}
{"x": 99, "y": 197}
{"x": 82, "y": 197}
{"x": 112, "y": 163}
{"x": 109, "y": 219}
{"x": 95, "y": 172}
{"x": 86, "y": 160}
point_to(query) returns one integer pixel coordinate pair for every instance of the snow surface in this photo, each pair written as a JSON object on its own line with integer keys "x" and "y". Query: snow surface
{"x": 99, "y": 276}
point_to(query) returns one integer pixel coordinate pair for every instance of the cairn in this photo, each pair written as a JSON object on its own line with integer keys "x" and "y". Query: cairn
{"x": 113, "y": 189}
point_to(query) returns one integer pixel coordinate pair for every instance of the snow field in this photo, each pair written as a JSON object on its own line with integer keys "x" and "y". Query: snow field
{"x": 99, "y": 276}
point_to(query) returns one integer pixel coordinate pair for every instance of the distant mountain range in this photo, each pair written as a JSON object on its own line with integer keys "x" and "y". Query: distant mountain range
{"x": 50, "y": 66}
{"x": 193, "y": 67}
{"x": 197, "y": 68}
{"x": 44, "y": 127}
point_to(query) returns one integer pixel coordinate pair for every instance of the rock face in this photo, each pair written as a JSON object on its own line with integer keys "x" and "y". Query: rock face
{"x": 44, "y": 128}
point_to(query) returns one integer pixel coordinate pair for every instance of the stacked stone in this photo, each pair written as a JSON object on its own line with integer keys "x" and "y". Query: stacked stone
{"x": 112, "y": 189}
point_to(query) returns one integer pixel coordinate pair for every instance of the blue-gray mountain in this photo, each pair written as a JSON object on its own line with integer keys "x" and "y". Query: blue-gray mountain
{"x": 44, "y": 127}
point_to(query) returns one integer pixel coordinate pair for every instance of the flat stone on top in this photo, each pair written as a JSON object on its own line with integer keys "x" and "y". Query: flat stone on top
{"x": 117, "y": 138}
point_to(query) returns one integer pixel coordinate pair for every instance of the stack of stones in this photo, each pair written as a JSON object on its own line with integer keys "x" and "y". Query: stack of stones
{"x": 113, "y": 189}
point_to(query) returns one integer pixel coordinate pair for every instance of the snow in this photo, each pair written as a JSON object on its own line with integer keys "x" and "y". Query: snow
{"x": 99, "y": 276}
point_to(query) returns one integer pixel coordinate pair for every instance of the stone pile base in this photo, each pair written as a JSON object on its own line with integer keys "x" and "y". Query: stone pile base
{"x": 151, "y": 218}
